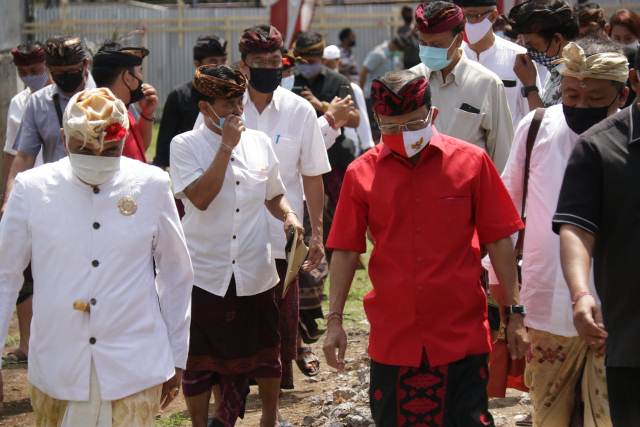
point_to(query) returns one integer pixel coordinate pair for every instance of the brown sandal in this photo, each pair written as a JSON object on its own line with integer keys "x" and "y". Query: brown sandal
{"x": 308, "y": 362}
{"x": 15, "y": 358}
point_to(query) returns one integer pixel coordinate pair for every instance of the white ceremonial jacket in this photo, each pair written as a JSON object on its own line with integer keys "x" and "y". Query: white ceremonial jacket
{"x": 86, "y": 245}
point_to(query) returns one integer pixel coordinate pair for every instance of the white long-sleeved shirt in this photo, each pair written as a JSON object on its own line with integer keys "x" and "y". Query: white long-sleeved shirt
{"x": 486, "y": 120}
{"x": 362, "y": 134}
{"x": 544, "y": 293}
{"x": 83, "y": 248}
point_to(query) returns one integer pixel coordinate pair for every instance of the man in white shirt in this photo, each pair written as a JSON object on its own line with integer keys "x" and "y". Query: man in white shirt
{"x": 362, "y": 134}
{"x": 593, "y": 74}
{"x": 471, "y": 99}
{"x": 29, "y": 60}
{"x": 290, "y": 121}
{"x": 494, "y": 52}
{"x": 226, "y": 175}
{"x": 110, "y": 332}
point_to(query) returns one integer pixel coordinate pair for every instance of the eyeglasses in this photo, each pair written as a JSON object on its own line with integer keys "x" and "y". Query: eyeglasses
{"x": 409, "y": 126}
{"x": 477, "y": 17}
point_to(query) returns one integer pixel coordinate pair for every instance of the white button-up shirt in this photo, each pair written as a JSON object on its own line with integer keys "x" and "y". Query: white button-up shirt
{"x": 500, "y": 58}
{"x": 487, "y": 123}
{"x": 544, "y": 293}
{"x": 299, "y": 143}
{"x": 231, "y": 236}
{"x": 362, "y": 134}
{"x": 17, "y": 107}
{"x": 83, "y": 248}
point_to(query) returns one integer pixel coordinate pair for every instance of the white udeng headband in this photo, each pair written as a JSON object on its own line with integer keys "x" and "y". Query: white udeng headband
{"x": 604, "y": 66}
{"x": 95, "y": 116}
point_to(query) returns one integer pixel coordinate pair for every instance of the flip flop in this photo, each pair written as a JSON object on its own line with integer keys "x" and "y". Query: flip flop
{"x": 15, "y": 358}
{"x": 527, "y": 422}
{"x": 308, "y": 362}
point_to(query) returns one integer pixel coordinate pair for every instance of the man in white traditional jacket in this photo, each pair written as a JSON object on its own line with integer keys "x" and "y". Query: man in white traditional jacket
{"x": 109, "y": 335}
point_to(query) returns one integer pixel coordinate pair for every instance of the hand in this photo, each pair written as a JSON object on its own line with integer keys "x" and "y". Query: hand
{"x": 525, "y": 69}
{"x": 340, "y": 108}
{"x": 587, "y": 318}
{"x": 517, "y": 338}
{"x": 231, "y": 131}
{"x": 292, "y": 221}
{"x": 170, "y": 389}
{"x": 149, "y": 103}
{"x": 336, "y": 338}
{"x": 315, "y": 102}
{"x": 316, "y": 253}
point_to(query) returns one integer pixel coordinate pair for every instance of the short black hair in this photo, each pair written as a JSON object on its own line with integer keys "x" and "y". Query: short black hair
{"x": 107, "y": 76}
{"x": 223, "y": 72}
{"x": 308, "y": 38}
{"x": 208, "y": 46}
{"x": 544, "y": 17}
{"x": 344, "y": 33}
{"x": 432, "y": 9}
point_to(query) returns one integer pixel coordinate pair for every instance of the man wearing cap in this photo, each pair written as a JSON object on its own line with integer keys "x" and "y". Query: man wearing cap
{"x": 597, "y": 219}
{"x": 120, "y": 69}
{"x": 181, "y": 108}
{"x": 494, "y": 52}
{"x": 331, "y": 60}
{"x": 29, "y": 60}
{"x": 67, "y": 63}
{"x": 426, "y": 199}
{"x": 226, "y": 175}
{"x": 112, "y": 276}
{"x": 545, "y": 27}
{"x": 594, "y": 72}
{"x": 470, "y": 99}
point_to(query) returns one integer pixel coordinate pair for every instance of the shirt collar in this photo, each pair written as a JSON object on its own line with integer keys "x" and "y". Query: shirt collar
{"x": 456, "y": 73}
{"x": 276, "y": 99}
{"x": 634, "y": 123}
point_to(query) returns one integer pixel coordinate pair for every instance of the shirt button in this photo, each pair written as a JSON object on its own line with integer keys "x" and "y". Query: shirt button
{"x": 418, "y": 199}
{"x": 95, "y": 263}
{"x": 233, "y": 262}
{"x": 92, "y": 340}
{"x": 93, "y": 301}
{"x": 419, "y": 259}
{"x": 96, "y": 225}
{"x": 237, "y": 210}
{"x": 234, "y": 237}
{"x": 420, "y": 288}
{"x": 237, "y": 182}
{"x": 96, "y": 189}
{"x": 233, "y": 160}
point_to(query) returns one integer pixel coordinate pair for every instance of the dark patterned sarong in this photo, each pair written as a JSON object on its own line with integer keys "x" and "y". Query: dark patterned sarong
{"x": 443, "y": 396}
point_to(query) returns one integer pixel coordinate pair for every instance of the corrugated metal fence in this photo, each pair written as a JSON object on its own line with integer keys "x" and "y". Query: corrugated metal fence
{"x": 171, "y": 32}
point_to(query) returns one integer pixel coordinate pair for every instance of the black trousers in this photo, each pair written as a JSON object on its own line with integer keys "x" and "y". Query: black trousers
{"x": 624, "y": 396}
{"x": 454, "y": 395}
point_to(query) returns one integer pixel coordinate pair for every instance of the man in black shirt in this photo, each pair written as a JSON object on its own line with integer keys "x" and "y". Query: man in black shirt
{"x": 598, "y": 216}
{"x": 181, "y": 108}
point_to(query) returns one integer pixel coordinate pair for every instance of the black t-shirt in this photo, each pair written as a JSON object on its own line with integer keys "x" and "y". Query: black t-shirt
{"x": 325, "y": 87}
{"x": 601, "y": 194}
{"x": 179, "y": 116}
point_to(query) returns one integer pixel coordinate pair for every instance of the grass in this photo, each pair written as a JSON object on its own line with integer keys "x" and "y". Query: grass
{"x": 179, "y": 419}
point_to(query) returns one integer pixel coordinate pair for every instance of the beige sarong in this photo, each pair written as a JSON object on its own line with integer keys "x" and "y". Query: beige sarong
{"x": 554, "y": 368}
{"x": 137, "y": 410}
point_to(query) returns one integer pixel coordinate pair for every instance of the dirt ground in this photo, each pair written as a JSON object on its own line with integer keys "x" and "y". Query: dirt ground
{"x": 305, "y": 401}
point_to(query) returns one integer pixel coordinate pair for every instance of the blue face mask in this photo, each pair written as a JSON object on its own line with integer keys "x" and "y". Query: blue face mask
{"x": 36, "y": 81}
{"x": 221, "y": 120}
{"x": 287, "y": 82}
{"x": 435, "y": 58}
{"x": 309, "y": 71}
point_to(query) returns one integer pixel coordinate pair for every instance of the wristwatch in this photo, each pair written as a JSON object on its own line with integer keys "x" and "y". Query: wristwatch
{"x": 526, "y": 90}
{"x": 516, "y": 309}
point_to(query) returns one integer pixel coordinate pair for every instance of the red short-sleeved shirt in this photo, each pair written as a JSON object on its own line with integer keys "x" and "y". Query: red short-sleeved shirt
{"x": 426, "y": 221}
{"x": 134, "y": 144}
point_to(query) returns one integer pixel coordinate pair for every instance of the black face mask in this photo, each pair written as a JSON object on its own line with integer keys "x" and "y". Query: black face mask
{"x": 69, "y": 82}
{"x": 265, "y": 80}
{"x": 352, "y": 43}
{"x": 581, "y": 119}
{"x": 136, "y": 94}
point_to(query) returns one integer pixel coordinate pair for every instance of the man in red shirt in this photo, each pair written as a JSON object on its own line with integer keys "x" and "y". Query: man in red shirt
{"x": 429, "y": 201}
{"x": 120, "y": 69}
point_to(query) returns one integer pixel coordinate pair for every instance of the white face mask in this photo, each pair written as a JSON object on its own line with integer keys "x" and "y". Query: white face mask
{"x": 287, "y": 82}
{"x": 94, "y": 170}
{"x": 475, "y": 32}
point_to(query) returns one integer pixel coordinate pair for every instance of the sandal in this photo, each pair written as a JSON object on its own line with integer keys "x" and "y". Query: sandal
{"x": 308, "y": 362}
{"x": 15, "y": 358}
{"x": 526, "y": 422}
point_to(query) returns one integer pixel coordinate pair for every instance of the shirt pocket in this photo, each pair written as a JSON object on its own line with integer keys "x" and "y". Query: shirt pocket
{"x": 465, "y": 125}
{"x": 454, "y": 211}
{"x": 287, "y": 151}
{"x": 254, "y": 183}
